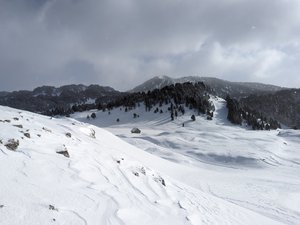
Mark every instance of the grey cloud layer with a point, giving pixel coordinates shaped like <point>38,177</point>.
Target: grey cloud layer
<point>122,43</point>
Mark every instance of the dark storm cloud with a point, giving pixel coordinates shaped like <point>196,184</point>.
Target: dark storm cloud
<point>122,43</point>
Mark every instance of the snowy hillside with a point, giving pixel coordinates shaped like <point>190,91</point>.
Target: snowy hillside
<point>256,171</point>
<point>105,180</point>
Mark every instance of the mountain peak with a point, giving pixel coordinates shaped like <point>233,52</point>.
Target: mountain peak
<point>221,87</point>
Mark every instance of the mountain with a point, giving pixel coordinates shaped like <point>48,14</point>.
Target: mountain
<point>68,99</point>
<point>45,98</point>
<point>221,88</point>
<point>283,105</point>
<point>157,82</point>
<point>68,171</point>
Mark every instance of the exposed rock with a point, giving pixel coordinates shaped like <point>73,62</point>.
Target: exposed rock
<point>93,115</point>
<point>46,129</point>
<point>8,121</point>
<point>27,135</point>
<point>68,134</point>
<point>52,207</point>
<point>209,118</point>
<point>135,130</point>
<point>64,153</point>
<point>136,174</point>
<point>16,118</point>
<point>160,180</point>
<point>12,144</point>
<point>93,133</point>
<point>143,171</point>
<point>18,125</point>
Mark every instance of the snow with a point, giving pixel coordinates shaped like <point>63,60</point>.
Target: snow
<point>90,101</point>
<point>207,172</point>
<point>255,170</point>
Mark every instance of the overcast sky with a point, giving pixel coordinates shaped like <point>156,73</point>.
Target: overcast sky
<point>122,43</point>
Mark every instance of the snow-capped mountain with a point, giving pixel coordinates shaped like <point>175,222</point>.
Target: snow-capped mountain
<point>220,87</point>
<point>66,171</point>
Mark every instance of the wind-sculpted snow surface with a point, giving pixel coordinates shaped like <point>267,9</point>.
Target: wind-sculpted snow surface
<point>256,171</point>
<point>103,181</point>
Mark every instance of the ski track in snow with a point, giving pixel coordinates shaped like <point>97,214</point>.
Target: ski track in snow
<point>208,172</point>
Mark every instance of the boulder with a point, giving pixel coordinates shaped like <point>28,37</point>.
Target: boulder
<point>64,153</point>
<point>135,130</point>
<point>12,144</point>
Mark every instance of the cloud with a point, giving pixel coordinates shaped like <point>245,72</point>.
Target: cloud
<point>122,43</point>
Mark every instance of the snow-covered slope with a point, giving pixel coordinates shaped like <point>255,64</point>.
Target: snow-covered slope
<point>104,181</point>
<point>257,171</point>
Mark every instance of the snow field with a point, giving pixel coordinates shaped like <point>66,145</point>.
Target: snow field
<point>105,180</point>
<point>255,170</point>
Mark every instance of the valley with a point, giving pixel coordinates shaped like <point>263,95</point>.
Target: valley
<point>257,170</point>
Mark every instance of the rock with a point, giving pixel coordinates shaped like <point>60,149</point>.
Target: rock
<point>209,117</point>
<point>193,117</point>
<point>93,115</point>
<point>143,171</point>
<point>8,121</point>
<point>64,153</point>
<point>1,206</point>
<point>136,174</point>
<point>18,125</point>
<point>135,130</point>
<point>68,134</point>
<point>51,207</point>
<point>12,144</point>
<point>160,180</point>
<point>93,133</point>
<point>27,135</point>
<point>46,129</point>
<point>16,118</point>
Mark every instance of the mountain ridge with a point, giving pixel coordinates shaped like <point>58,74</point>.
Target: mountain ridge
<point>44,98</point>
<point>222,87</point>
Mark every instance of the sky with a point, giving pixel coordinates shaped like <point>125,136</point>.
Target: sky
<point>122,43</point>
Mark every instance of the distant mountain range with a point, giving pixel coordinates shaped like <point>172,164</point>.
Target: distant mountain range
<point>46,98</point>
<point>276,102</point>
<point>221,88</point>
<point>282,104</point>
